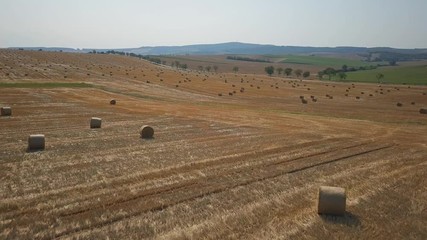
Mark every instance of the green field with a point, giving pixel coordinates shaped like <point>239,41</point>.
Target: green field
<point>324,61</point>
<point>45,85</point>
<point>321,61</point>
<point>416,75</point>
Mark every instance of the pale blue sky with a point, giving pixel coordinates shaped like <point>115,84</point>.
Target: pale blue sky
<point>133,23</point>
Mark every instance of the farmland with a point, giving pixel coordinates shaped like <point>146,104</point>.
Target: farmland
<point>322,61</point>
<point>410,74</point>
<point>414,72</point>
<point>233,155</point>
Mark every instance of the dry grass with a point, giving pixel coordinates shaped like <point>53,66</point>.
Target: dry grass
<point>241,166</point>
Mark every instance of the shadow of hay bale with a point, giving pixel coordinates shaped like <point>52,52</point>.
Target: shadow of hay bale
<point>30,150</point>
<point>348,219</point>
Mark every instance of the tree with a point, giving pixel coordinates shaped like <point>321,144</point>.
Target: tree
<point>342,75</point>
<point>320,75</point>
<point>177,64</point>
<point>392,62</point>
<point>306,74</point>
<point>235,69</point>
<point>298,73</point>
<point>380,76</point>
<point>215,67</point>
<point>184,66</point>
<point>208,68</point>
<point>200,68</point>
<point>330,72</point>
<point>279,70</point>
<point>288,71</point>
<point>269,70</point>
<point>344,68</point>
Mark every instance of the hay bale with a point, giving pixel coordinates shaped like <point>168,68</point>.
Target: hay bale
<point>6,111</point>
<point>36,142</point>
<point>423,110</point>
<point>332,200</point>
<point>146,131</point>
<point>399,104</point>
<point>113,101</point>
<point>95,122</point>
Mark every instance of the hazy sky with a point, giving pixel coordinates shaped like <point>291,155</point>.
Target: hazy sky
<point>133,23</point>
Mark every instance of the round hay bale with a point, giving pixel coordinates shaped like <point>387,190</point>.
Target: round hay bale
<point>36,142</point>
<point>95,122</point>
<point>423,110</point>
<point>332,200</point>
<point>6,111</point>
<point>146,131</point>
<point>113,101</point>
<point>399,104</point>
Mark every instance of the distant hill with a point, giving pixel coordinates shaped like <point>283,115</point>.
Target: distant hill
<point>251,49</point>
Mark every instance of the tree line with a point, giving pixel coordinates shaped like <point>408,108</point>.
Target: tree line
<point>342,73</point>
<point>270,70</point>
<point>247,59</point>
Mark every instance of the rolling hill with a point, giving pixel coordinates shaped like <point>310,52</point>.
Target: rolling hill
<point>238,48</point>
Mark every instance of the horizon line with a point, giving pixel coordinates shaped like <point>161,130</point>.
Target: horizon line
<point>218,43</point>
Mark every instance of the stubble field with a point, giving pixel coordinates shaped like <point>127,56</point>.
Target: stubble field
<point>246,164</point>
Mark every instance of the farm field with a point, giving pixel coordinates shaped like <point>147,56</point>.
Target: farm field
<point>226,65</point>
<point>410,74</point>
<point>413,72</point>
<point>323,61</point>
<point>233,155</point>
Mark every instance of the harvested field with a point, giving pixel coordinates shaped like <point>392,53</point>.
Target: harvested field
<point>246,165</point>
